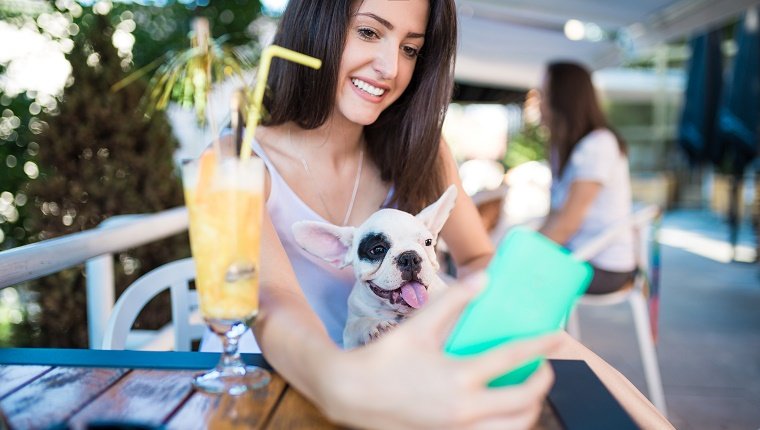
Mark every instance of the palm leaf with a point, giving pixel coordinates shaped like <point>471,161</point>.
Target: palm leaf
<point>186,76</point>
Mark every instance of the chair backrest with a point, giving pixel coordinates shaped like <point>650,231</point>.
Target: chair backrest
<point>490,205</point>
<point>176,276</point>
<point>648,254</point>
<point>640,220</point>
<point>642,232</point>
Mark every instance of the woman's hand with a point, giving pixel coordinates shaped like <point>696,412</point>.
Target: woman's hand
<point>404,380</point>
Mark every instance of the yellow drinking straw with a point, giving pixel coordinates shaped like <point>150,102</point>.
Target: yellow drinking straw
<point>254,111</point>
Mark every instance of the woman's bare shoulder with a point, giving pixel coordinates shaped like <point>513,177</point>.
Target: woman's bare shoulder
<point>278,147</point>
<point>274,141</point>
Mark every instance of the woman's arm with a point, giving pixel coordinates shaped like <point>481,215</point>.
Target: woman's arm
<point>403,380</point>
<point>289,333</point>
<point>562,225</point>
<point>464,234</point>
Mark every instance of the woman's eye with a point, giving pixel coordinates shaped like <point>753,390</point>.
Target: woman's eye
<point>367,33</point>
<point>378,250</point>
<point>410,51</point>
<point>428,242</point>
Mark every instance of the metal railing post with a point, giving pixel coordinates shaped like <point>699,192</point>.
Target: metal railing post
<point>100,296</point>
<point>101,285</point>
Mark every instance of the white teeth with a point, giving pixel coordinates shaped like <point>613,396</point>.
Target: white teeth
<point>367,88</point>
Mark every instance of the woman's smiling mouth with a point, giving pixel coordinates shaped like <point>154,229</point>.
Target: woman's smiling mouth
<point>367,88</point>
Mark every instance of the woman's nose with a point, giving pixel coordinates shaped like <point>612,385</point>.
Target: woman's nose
<point>386,61</point>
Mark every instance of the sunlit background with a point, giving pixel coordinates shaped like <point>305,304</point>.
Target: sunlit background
<point>75,152</point>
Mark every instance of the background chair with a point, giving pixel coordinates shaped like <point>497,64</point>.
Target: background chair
<point>641,222</point>
<point>186,325</point>
<point>490,205</point>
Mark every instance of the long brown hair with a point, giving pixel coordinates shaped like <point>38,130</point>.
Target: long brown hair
<point>574,110</point>
<point>404,140</point>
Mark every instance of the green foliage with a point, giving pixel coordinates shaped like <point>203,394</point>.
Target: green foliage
<point>624,114</point>
<point>186,77</point>
<point>156,30</point>
<point>529,145</point>
<point>99,158</point>
<point>19,127</point>
<point>163,29</point>
<point>185,74</point>
<point>96,154</point>
<point>17,148</point>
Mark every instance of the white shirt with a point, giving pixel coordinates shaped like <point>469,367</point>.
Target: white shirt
<point>597,158</point>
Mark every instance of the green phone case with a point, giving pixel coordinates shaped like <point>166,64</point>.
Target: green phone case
<point>533,284</point>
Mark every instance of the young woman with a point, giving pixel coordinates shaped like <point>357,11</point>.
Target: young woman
<point>591,187</point>
<point>339,143</point>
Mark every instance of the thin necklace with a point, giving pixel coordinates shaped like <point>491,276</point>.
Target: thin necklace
<point>319,193</point>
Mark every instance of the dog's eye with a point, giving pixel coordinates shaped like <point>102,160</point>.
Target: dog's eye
<point>377,251</point>
<point>428,242</point>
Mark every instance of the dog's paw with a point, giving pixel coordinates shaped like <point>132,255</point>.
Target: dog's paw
<point>380,329</point>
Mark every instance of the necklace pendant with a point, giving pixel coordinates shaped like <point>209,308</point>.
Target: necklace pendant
<point>357,179</point>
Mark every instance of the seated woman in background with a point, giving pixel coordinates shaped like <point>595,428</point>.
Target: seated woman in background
<point>591,187</point>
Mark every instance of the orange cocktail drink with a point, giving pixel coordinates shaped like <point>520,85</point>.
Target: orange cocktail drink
<point>224,200</point>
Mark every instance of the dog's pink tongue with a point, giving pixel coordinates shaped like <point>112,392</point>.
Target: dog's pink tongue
<point>414,294</point>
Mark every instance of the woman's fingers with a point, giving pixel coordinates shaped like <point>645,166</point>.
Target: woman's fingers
<point>515,399</point>
<point>439,316</point>
<point>497,361</point>
<point>524,420</point>
<point>509,403</point>
<point>518,405</point>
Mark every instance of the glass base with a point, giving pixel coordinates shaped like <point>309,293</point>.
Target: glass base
<point>232,380</point>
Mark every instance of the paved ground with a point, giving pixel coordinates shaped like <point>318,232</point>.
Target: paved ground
<point>709,347</point>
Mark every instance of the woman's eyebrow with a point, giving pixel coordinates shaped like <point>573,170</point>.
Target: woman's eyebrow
<point>388,25</point>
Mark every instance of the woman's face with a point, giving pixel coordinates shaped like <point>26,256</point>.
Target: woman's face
<point>383,41</point>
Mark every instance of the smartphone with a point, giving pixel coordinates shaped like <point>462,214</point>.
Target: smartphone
<point>533,284</point>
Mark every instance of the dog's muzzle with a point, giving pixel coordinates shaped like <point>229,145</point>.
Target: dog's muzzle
<point>413,294</point>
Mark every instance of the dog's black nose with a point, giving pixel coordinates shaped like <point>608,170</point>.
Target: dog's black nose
<point>409,263</point>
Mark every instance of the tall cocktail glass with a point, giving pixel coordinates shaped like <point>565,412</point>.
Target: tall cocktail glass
<point>224,198</point>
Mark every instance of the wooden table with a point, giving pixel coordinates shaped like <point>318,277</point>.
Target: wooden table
<point>42,388</point>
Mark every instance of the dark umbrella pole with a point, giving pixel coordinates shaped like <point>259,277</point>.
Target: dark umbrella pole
<point>734,199</point>
<point>756,212</point>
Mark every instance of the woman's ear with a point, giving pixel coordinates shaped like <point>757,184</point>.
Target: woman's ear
<point>326,241</point>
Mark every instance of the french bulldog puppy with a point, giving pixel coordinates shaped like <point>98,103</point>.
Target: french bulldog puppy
<point>393,256</point>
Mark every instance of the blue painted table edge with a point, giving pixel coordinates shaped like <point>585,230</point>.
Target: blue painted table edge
<point>164,360</point>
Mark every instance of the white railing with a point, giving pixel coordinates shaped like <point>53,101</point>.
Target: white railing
<point>95,248</point>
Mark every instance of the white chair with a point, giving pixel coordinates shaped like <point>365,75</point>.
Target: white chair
<point>186,324</point>
<point>490,205</point>
<point>641,222</point>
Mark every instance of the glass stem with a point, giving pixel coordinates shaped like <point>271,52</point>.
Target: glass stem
<point>231,356</point>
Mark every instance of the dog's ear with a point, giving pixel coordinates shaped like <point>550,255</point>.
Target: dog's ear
<point>326,241</point>
<point>435,215</point>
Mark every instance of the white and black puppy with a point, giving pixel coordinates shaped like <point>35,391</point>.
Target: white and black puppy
<point>393,255</point>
